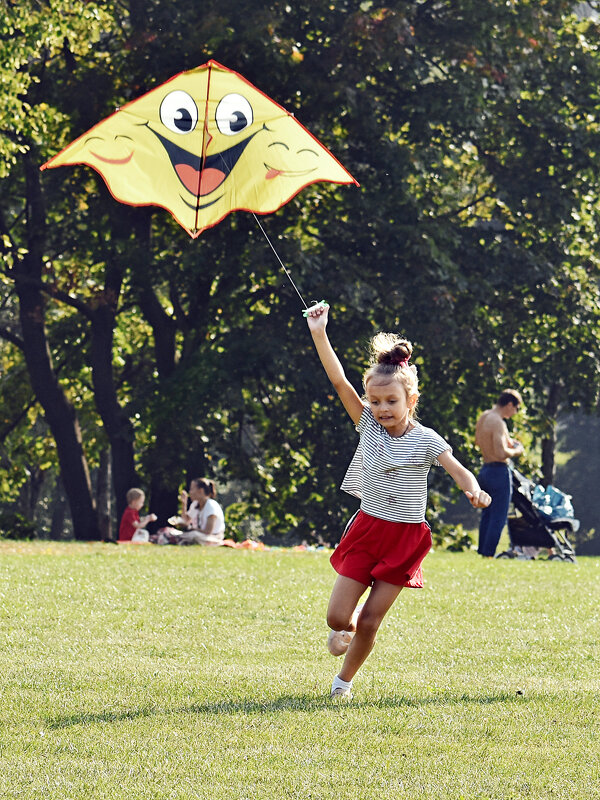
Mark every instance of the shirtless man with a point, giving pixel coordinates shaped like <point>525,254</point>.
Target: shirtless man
<point>491,436</point>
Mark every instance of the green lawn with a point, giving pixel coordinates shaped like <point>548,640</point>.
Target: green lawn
<point>144,672</point>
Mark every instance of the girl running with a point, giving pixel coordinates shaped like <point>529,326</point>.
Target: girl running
<point>387,540</point>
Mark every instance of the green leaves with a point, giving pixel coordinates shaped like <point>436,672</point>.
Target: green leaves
<point>473,130</point>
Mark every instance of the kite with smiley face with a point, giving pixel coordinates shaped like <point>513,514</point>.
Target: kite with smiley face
<point>203,144</point>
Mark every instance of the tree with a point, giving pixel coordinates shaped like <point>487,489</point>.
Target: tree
<point>459,120</point>
<point>26,119</point>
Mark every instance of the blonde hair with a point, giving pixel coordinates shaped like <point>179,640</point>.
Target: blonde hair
<point>134,494</point>
<point>390,354</point>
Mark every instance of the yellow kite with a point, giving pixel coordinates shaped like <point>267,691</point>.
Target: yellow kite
<point>203,144</point>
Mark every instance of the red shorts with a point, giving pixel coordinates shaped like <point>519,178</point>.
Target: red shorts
<point>374,549</point>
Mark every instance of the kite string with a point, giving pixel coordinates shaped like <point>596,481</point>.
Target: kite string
<point>283,267</point>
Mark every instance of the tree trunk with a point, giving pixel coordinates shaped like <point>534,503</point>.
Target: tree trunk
<point>29,493</point>
<point>549,438</point>
<point>164,500</point>
<point>60,414</point>
<point>115,420</point>
<point>103,495</point>
<point>57,524</point>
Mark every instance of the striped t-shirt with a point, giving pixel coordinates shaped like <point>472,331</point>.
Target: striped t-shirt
<point>388,473</point>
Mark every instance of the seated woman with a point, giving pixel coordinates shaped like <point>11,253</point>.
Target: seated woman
<point>204,516</point>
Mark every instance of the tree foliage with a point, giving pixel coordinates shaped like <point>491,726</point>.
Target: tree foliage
<point>472,129</point>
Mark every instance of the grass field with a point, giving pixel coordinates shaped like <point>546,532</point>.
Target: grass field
<point>144,672</point>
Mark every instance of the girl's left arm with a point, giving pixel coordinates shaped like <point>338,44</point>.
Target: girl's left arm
<point>465,480</point>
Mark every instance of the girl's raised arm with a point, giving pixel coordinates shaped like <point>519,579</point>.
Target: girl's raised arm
<point>317,322</point>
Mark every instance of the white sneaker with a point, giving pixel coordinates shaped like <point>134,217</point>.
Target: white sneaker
<point>339,641</point>
<point>341,694</point>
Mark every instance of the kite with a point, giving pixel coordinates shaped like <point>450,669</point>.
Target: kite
<point>203,144</point>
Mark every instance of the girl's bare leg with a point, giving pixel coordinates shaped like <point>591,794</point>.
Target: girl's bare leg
<point>344,598</point>
<point>380,600</point>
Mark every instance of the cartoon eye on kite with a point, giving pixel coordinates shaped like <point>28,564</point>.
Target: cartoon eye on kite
<point>178,112</point>
<point>234,113</point>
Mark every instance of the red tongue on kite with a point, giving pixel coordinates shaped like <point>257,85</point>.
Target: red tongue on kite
<point>207,181</point>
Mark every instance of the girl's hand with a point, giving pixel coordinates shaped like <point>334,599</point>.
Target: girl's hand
<point>317,318</point>
<point>479,499</point>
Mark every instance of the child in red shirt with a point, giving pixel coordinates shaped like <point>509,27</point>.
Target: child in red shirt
<point>132,527</point>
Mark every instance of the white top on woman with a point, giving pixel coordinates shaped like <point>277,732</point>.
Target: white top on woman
<point>200,517</point>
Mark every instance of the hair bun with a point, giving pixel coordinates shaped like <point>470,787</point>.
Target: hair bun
<point>399,353</point>
<point>389,348</point>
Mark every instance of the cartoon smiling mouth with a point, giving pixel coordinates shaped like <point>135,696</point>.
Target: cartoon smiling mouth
<point>202,176</point>
<point>273,172</point>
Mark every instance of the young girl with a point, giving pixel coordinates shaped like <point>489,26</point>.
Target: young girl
<point>388,538</point>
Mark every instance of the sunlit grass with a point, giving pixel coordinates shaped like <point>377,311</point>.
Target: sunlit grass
<point>143,672</point>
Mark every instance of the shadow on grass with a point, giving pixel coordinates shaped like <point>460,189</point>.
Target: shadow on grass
<point>302,703</point>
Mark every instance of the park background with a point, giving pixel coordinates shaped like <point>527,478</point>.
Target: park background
<point>133,355</point>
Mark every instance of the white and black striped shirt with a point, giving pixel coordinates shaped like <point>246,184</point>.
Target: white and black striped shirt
<point>388,473</point>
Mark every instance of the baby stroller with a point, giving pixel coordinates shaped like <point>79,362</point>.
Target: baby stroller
<point>529,529</point>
